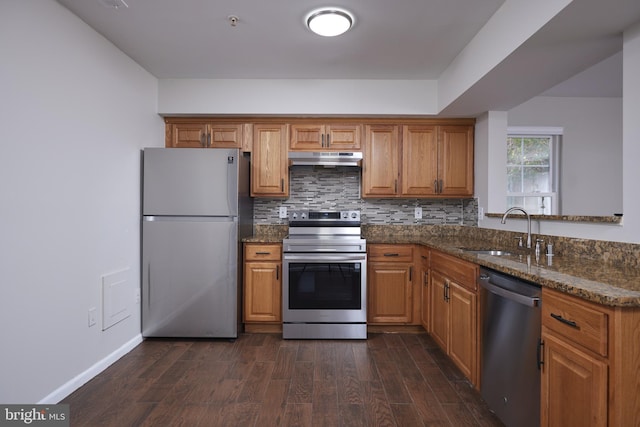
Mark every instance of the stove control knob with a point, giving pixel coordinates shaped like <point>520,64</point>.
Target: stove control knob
<point>354,215</point>
<point>303,215</point>
<point>345,215</point>
<point>294,215</point>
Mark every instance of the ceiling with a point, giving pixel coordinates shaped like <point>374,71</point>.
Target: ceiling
<point>398,40</point>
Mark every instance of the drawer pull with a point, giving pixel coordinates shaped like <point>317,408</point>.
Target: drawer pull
<point>390,254</point>
<point>263,253</point>
<point>559,318</point>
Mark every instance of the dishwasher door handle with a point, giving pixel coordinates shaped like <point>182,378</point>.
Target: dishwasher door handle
<point>513,296</point>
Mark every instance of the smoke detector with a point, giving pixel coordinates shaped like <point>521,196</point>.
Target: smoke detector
<point>114,4</point>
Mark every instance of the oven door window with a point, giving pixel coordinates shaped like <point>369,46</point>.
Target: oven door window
<point>325,286</point>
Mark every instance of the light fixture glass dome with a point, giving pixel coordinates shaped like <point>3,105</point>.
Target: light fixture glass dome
<point>329,22</point>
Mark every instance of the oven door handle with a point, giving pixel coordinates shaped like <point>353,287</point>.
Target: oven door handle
<point>325,257</point>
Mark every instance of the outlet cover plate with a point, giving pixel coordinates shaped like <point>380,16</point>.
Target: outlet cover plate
<point>282,213</point>
<point>418,213</point>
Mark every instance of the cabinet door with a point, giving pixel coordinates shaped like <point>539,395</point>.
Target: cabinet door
<point>269,167</point>
<point>456,160</point>
<point>462,333</point>
<point>424,288</point>
<point>262,292</point>
<point>222,135</point>
<point>439,310</point>
<point>389,293</point>
<point>574,386</point>
<point>419,160</point>
<point>380,171</point>
<point>307,137</point>
<point>424,306</point>
<point>343,137</point>
<point>187,135</point>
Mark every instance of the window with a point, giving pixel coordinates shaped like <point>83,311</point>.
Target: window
<point>532,170</point>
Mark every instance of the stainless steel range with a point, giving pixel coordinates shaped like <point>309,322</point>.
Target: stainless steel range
<point>324,276</point>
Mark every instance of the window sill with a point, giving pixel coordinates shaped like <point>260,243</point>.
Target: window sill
<point>613,219</point>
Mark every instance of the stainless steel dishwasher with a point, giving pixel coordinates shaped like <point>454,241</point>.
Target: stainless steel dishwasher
<point>511,322</point>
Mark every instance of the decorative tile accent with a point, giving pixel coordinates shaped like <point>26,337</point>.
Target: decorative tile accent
<point>317,188</point>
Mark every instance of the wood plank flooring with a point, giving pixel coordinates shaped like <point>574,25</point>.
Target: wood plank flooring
<point>262,380</point>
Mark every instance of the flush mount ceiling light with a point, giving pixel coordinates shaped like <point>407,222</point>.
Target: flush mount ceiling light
<point>330,21</point>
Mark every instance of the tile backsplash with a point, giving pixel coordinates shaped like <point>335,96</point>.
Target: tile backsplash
<point>317,188</point>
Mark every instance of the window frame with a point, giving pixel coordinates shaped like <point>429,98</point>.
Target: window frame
<point>555,140</point>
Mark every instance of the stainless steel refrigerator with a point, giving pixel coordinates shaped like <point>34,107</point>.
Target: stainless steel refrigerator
<point>195,211</point>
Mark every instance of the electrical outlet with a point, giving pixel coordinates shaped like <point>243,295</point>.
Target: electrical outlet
<point>480,213</point>
<point>283,212</point>
<point>93,313</point>
<point>418,213</point>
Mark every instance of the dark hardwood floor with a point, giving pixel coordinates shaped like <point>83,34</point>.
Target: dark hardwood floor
<point>263,380</point>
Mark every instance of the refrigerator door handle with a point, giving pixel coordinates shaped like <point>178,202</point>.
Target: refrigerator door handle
<point>149,285</point>
<point>232,183</point>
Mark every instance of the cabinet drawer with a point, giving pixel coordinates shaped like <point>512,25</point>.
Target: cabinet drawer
<point>391,253</point>
<point>463,272</point>
<point>581,322</point>
<point>260,252</point>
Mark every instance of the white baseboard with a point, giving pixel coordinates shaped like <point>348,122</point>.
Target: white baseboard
<point>84,377</point>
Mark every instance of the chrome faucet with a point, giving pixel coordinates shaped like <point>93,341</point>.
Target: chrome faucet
<point>504,220</point>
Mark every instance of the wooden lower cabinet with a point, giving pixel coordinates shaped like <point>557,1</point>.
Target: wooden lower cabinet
<point>591,363</point>
<point>439,310</point>
<point>453,311</point>
<point>262,283</point>
<point>390,285</point>
<point>424,291</point>
<point>574,386</point>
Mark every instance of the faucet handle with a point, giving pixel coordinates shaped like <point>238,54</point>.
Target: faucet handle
<point>519,239</point>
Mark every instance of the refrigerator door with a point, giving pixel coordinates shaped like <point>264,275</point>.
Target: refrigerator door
<point>194,181</point>
<point>189,277</point>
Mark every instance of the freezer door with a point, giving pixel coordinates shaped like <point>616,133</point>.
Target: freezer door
<point>193,181</point>
<point>189,278</point>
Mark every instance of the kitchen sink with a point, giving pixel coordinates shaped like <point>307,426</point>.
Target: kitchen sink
<point>494,252</point>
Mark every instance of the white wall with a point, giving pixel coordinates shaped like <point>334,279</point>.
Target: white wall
<point>75,112</point>
<point>629,231</point>
<point>631,132</point>
<point>591,169</point>
<point>490,159</point>
<point>295,97</point>
<point>512,24</point>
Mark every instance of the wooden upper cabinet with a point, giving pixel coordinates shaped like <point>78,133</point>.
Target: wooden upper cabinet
<point>380,170</point>
<point>325,137</point>
<point>203,134</point>
<point>455,160</point>
<point>269,168</point>
<point>419,160</point>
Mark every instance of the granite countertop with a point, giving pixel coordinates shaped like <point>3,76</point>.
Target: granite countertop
<point>599,281</point>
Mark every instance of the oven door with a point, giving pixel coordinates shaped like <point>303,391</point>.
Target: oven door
<point>324,288</point>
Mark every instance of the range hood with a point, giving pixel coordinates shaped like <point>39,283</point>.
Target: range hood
<point>325,158</point>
